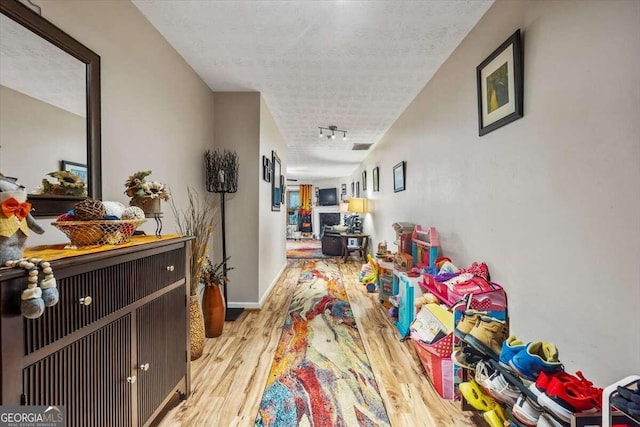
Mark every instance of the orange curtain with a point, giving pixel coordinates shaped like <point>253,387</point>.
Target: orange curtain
<point>305,197</point>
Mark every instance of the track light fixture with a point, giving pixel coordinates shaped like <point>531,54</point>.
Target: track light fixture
<point>331,132</point>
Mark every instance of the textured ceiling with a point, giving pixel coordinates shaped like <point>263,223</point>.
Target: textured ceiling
<point>35,67</point>
<point>353,64</point>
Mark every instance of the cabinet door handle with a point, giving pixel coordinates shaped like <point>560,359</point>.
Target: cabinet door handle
<point>86,300</point>
<point>170,267</point>
<point>144,367</point>
<point>131,379</point>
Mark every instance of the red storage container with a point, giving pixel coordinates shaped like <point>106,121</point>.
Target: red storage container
<point>439,367</point>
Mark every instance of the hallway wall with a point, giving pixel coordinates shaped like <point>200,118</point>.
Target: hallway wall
<point>551,201</point>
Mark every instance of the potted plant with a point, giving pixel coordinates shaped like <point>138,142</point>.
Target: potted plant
<point>146,195</point>
<point>197,221</point>
<point>213,303</point>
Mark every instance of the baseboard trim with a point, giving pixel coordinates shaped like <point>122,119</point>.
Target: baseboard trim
<point>258,305</point>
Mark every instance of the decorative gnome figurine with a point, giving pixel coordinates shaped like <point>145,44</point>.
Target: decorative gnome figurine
<point>15,222</point>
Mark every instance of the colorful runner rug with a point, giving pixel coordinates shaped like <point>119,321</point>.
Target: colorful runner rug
<point>305,249</point>
<point>321,376</point>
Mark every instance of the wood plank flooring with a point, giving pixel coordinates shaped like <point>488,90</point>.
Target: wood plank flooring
<point>228,380</point>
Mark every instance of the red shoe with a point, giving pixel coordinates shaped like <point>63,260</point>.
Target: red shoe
<point>543,380</point>
<point>567,398</point>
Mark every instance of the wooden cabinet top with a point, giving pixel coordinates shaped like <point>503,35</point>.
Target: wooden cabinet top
<point>61,257</point>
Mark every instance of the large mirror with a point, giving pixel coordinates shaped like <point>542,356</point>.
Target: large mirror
<point>49,106</point>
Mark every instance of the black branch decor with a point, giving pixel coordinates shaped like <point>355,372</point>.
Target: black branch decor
<point>222,171</point>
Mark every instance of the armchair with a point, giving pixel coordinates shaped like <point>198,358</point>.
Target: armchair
<point>331,242</point>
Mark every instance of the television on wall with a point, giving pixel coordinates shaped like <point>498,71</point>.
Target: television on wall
<point>328,197</point>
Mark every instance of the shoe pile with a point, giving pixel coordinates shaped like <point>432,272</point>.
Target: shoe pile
<point>553,394</point>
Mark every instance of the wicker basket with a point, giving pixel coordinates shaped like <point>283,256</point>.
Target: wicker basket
<point>103,232</point>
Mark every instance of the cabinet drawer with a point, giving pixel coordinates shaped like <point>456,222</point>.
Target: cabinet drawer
<point>111,288</point>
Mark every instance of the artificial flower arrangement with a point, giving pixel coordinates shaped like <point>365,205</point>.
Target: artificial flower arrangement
<point>139,188</point>
<point>69,184</point>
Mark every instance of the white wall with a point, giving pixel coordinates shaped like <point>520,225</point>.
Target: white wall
<point>551,201</point>
<point>157,114</point>
<point>272,231</point>
<point>237,128</point>
<point>36,136</point>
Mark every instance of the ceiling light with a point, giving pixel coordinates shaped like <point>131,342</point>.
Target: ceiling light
<point>333,130</point>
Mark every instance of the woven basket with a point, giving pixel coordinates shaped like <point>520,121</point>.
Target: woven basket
<point>86,233</point>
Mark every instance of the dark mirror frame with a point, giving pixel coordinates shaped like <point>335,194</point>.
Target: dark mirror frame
<point>276,182</point>
<point>55,205</point>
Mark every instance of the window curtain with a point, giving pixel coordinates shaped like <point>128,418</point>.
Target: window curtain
<point>305,197</point>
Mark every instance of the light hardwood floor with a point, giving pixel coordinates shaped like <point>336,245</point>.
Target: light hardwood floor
<point>228,380</point>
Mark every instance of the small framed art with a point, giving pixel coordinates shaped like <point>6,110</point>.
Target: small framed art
<point>353,191</point>
<point>376,179</point>
<point>358,189</point>
<point>364,180</point>
<point>399,176</point>
<point>266,169</point>
<point>500,86</point>
<point>79,169</point>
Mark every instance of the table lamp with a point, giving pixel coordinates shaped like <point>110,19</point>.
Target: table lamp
<point>357,206</point>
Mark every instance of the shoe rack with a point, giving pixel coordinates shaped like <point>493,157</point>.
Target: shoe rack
<point>608,393</point>
<point>584,419</point>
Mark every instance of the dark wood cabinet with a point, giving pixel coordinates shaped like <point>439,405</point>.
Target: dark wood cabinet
<point>113,359</point>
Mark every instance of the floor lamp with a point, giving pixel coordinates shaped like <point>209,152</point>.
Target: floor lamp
<point>222,177</point>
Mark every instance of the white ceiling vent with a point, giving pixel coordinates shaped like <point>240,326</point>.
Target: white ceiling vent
<point>361,147</point>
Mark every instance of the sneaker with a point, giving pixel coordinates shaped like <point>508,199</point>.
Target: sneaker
<point>487,336</point>
<point>547,420</point>
<point>526,411</point>
<point>510,347</point>
<point>469,320</point>
<point>496,417</point>
<point>500,389</point>
<point>543,380</point>
<point>477,398</point>
<point>483,373</point>
<point>628,394</point>
<point>566,398</point>
<point>467,357</point>
<point>537,357</point>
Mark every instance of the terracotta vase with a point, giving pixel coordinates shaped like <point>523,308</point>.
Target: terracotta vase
<point>196,328</point>
<point>213,308</point>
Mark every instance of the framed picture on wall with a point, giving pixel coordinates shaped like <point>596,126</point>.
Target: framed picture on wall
<point>276,185</point>
<point>376,179</point>
<point>266,169</point>
<point>358,189</point>
<point>353,191</point>
<point>500,86</point>
<point>364,180</point>
<point>343,189</point>
<point>399,176</point>
<point>79,169</point>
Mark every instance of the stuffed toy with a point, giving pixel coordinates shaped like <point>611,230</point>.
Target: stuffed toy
<point>15,220</point>
<point>427,298</point>
<point>34,298</point>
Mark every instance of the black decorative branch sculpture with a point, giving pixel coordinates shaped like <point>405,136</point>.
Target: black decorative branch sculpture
<point>222,171</point>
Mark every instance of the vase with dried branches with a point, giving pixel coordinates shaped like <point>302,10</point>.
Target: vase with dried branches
<point>196,220</point>
<point>213,302</point>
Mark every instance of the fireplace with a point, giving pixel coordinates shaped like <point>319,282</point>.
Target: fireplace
<point>321,210</point>
<point>328,219</point>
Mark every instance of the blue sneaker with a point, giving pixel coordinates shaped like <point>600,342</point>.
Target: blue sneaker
<point>510,348</point>
<point>538,356</point>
